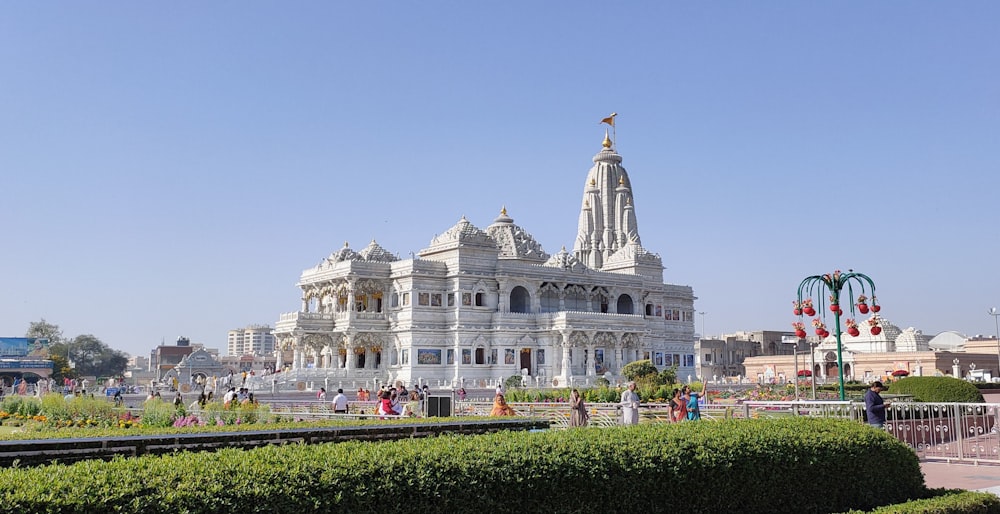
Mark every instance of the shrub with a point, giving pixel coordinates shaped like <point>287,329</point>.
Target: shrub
<point>936,389</point>
<point>619,469</point>
<point>637,370</point>
<point>157,413</point>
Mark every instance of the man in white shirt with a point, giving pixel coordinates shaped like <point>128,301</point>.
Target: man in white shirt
<point>340,402</point>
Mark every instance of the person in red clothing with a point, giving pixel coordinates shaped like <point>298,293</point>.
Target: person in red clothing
<point>387,404</point>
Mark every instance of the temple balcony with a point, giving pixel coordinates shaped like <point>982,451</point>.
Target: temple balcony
<point>309,321</point>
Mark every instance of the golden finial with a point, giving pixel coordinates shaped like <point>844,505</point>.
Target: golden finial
<point>607,140</point>
<point>586,204</point>
<point>592,182</point>
<point>503,210</point>
<point>621,181</point>
<point>346,245</point>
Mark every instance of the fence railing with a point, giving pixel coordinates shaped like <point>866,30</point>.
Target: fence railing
<point>953,432</point>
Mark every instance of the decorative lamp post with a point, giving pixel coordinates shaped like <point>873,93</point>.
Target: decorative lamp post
<point>995,313</point>
<point>831,286</point>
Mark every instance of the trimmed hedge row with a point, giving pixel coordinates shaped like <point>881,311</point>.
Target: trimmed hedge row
<point>937,389</point>
<point>952,501</point>
<point>786,465</point>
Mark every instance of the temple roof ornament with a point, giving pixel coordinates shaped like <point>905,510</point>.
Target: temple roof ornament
<point>463,232</point>
<point>565,260</point>
<point>513,241</point>
<point>344,254</point>
<point>633,253</point>
<point>375,253</point>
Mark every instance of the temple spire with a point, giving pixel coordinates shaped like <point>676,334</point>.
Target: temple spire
<point>607,215</point>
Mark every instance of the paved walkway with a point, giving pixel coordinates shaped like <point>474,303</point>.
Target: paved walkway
<point>982,477</point>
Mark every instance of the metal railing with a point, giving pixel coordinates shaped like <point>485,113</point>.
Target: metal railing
<point>952,432</point>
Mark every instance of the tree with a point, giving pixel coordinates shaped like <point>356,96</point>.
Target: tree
<point>45,330</point>
<point>92,357</point>
<point>639,369</point>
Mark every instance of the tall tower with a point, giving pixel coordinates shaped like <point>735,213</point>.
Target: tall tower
<point>607,216</point>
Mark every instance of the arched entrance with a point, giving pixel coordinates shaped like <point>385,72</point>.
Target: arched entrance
<point>520,300</point>
<point>526,359</point>
<point>625,304</point>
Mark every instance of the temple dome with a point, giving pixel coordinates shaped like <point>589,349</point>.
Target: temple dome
<point>463,233</point>
<point>375,253</point>
<point>341,255</point>
<point>949,341</point>
<point>513,241</point>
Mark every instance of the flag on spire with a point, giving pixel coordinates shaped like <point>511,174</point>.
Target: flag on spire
<point>610,120</point>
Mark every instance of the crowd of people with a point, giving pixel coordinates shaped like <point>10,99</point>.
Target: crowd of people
<point>684,405</point>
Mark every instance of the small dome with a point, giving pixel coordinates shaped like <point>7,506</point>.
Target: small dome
<point>375,253</point>
<point>463,232</point>
<point>344,254</point>
<point>513,241</point>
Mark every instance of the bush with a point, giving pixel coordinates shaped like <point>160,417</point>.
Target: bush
<point>619,469</point>
<point>637,370</point>
<point>936,389</point>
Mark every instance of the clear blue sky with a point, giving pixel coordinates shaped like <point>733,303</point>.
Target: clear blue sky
<point>171,168</point>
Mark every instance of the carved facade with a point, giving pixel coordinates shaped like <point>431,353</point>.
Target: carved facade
<point>480,305</point>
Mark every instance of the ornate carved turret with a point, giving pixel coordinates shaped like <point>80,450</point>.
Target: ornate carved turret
<point>607,217</point>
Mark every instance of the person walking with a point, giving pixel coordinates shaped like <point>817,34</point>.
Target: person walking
<point>630,405</point>
<point>340,402</point>
<point>875,406</point>
<point>578,416</point>
<point>693,412</point>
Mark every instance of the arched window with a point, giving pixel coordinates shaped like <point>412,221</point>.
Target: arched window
<point>520,300</point>
<point>480,299</point>
<point>576,299</point>
<point>649,309</point>
<point>625,304</point>
<point>480,356</point>
<point>549,300</point>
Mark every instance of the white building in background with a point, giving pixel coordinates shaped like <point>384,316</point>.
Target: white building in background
<point>479,305</point>
<point>253,340</point>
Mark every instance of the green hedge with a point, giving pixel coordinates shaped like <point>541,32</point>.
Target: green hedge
<point>787,465</point>
<point>952,501</point>
<point>936,389</point>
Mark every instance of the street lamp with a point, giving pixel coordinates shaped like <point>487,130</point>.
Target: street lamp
<point>995,313</point>
<point>795,357</point>
<point>833,284</point>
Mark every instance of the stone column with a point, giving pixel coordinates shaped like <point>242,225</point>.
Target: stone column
<point>305,304</point>
<point>591,361</point>
<point>348,362</point>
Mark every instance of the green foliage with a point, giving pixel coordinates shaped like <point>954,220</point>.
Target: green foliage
<point>936,389</point>
<point>584,470</point>
<point>157,413</point>
<point>669,376</point>
<point>45,330</point>
<point>513,382</point>
<point>637,370</point>
<point>954,501</point>
<point>23,405</point>
<point>94,358</point>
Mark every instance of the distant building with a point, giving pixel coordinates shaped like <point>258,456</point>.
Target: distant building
<point>138,362</point>
<point>165,358</point>
<point>894,352</point>
<point>257,340</point>
<point>24,358</point>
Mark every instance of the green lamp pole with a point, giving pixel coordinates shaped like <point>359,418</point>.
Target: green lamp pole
<point>833,284</point>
